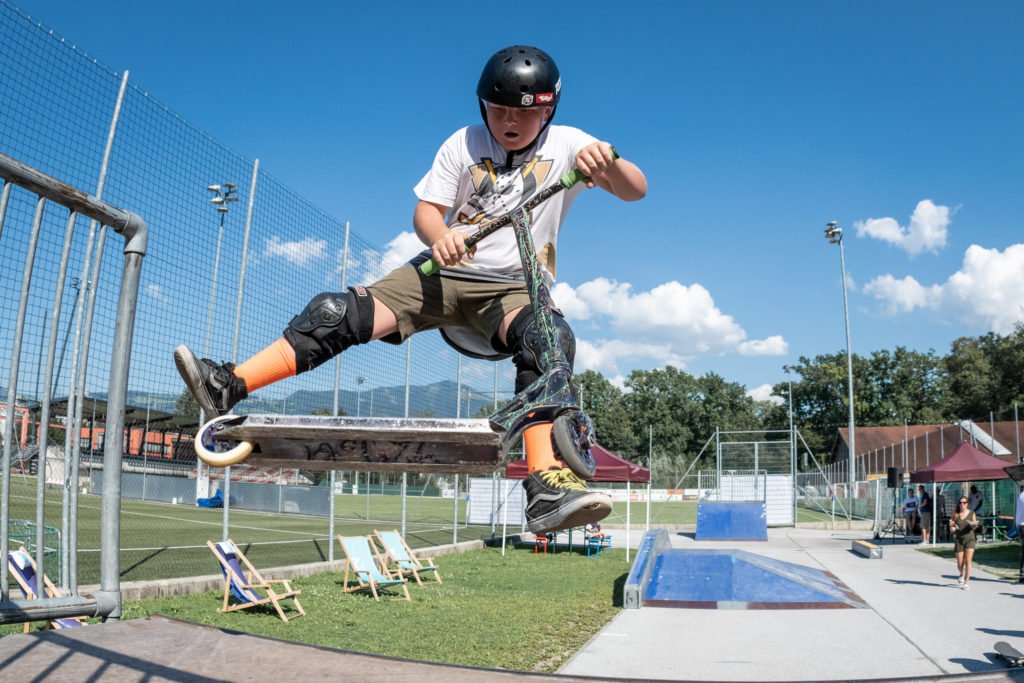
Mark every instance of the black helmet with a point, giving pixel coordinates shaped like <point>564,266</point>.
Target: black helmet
<point>520,76</point>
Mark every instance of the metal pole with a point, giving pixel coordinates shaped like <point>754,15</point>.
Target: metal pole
<point>238,321</point>
<point>145,450</point>
<point>43,433</point>
<point>332,478</point>
<point>792,449</point>
<point>405,489</point>
<point>134,250</point>
<point>12,392</point>
<point>650,472</point>
<point>455,511</point>
<point>110,517</point>
<point>408,371</point>
<point>834,234</point>
<point>906,438</point>
<point>629,525</point>
<point>458,388</point>
<point>1016,430</point>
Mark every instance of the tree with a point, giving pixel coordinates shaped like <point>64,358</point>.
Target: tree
<point>603,402</point>
<point>187,405</point>
<point>902,385</point>
<point>664,401</point>
<point>820,398</point>
<point>971,381</point>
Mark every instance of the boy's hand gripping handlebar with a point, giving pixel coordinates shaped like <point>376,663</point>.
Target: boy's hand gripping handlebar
<point>567,180</point>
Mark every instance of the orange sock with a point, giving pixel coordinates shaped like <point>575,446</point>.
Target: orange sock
<point>270,365</point>
<point>540,455</point>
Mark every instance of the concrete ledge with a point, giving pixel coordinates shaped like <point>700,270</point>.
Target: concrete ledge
<point>867,549</point>
<point>653,543</point>
<point>191,585</point>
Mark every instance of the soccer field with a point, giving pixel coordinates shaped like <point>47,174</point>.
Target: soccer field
<point>161,540</point>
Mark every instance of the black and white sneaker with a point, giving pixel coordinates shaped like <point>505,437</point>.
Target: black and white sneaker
<point>214,385</point>
<point>558,499</point>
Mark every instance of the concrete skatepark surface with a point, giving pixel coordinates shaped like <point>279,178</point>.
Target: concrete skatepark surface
<point>918,625</point>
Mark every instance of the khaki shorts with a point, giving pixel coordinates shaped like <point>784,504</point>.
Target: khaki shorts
<point>965,542</point>
<point>428,303</point>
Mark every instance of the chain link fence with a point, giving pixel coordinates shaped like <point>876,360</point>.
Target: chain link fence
<point>226,284</point>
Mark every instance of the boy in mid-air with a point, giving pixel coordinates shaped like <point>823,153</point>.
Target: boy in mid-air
<point>479,300</point>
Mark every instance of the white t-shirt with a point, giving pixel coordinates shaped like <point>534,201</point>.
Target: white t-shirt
<point>474,176</point>
<point>1018,516</point>
<point>974,503</point>
<point>910,505</point>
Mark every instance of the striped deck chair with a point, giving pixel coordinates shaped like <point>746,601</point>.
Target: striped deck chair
<point>23,569</point>
<point>399,556</point>
<point>249,588</point>
<point>366,567</point>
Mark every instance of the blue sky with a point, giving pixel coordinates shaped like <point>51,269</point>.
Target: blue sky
<point>755,123</point>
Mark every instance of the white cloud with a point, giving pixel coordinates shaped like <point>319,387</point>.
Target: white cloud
<point>155,292</point>
<point>987,291</point>
<point>769,346</point>
<point>666,325</point>
<point>764,393</point>
<point>903,296</point>
<point>403,247</point>
<point>685,318</point>
<point>928,229</point>
<point>301,253</point>
<point>608,356</point>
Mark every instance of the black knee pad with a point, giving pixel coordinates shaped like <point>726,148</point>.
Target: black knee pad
<point>330,323</point>
<point>523,340</point>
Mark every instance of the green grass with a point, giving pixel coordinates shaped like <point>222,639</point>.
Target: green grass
<point>1000,559</point>
<point>521,611</point>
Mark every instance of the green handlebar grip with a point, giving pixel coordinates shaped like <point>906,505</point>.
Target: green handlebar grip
<point>429,268</point>
<point>570,178</point>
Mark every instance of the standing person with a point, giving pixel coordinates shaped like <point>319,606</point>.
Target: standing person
<point>975,504</point>
<point>925,511</point>
<point>962,525</point>
<point>975,500</point>
<point>910,504</point>
<point>1018,520</point>
<point>481,172</point>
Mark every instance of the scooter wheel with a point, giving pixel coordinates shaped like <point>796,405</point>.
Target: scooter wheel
<point>208,450</point>
<point>566,435</point>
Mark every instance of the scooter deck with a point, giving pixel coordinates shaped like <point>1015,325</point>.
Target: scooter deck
<point>368,444</point>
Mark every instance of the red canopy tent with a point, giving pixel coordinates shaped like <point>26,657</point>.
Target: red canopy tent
<point>965,463</point>
<point>610,467</point>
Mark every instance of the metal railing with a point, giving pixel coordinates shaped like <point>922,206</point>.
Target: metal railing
<point>105,602</point>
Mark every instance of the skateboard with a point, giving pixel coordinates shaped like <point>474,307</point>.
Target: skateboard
<point>359,444</point>
<point>1012,655</point>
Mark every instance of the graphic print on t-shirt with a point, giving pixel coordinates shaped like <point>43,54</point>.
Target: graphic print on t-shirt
<point>496,194</point>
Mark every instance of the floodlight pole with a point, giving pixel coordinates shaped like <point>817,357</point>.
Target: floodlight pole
<point>834,234</point>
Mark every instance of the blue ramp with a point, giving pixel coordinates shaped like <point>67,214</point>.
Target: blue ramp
<point>730,521</point>
<point>736,579</point>
<point>663,576</point>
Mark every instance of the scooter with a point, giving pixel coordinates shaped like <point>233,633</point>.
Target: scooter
<point>424,444</point>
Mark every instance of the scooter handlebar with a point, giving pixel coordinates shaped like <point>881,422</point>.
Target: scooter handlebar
<point>566,181</point>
